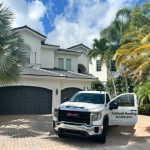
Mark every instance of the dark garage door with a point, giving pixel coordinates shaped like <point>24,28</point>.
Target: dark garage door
<point>25,100</point>
<point>68,93</point>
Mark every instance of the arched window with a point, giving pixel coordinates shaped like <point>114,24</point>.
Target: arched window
<point>81,69</point>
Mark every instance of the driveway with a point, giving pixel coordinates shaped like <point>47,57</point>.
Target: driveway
<point>34,132</point>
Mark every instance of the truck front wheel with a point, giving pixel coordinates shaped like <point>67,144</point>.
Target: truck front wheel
<point>104,131</point>
<point>61,135</point>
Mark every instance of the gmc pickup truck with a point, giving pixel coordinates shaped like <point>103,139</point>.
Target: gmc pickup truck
<point>89,113</point>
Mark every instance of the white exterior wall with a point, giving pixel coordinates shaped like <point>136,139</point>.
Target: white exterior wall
<point>74,63</point>
<point>47,58</point>
<point>35,43</point>
<point>53,84</point>
<point>101,75</point>
<point>84,60</point>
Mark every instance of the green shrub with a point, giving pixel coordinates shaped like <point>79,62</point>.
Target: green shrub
<point>143,93</point>
<point>120,85</point>
<point>144,109</point>
<point>98,86</point>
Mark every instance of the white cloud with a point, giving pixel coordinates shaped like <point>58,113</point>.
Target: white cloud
<point>82,21</point>
<point>27,13</point>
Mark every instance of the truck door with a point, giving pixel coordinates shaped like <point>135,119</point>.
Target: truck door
<point>127,111</point>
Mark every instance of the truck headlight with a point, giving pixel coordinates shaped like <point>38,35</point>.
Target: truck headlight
<point>56,113</point>
<point>96,116</point>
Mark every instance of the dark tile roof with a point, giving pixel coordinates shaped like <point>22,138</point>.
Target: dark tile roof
<point>42,42</point>
<point>55,73</point>
<point>79,45</point>
<point>26,27</point>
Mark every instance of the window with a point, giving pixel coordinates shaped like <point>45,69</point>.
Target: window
<point>113,65</point>
<point>61,63</point>
<point>28,54</point>
<point>98,65</point>
<point>28,57</point>
<point>107,98</point>
<point>88,98</point>
<point>68,64</point>
<point>125,100</point>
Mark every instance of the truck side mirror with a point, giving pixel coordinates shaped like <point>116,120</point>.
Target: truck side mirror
<point>113,105</point>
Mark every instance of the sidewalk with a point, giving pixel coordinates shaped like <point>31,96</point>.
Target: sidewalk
<point>143,146</point>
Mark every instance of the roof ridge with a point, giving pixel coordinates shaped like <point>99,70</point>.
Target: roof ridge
<point>81,44</point>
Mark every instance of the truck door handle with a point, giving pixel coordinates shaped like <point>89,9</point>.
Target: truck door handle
<point>133,110</point>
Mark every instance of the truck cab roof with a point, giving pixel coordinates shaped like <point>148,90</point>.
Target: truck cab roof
<point>94,92</point>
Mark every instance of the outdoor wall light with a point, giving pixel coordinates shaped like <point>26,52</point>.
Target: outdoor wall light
<point>56,91</point>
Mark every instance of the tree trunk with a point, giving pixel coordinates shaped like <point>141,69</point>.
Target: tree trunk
<point>113,82</point>
<point>126,84</point>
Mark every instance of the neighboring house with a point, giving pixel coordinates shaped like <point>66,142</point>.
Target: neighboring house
<point>52,74</point>
<point>99,69</point>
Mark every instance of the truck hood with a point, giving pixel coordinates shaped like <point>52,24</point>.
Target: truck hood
<point>78,106</point>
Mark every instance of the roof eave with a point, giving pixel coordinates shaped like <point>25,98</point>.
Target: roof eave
<point>24,28</point>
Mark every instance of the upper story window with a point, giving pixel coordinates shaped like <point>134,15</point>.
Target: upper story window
<point>113,65</point>
<point>61,63</point>
<point>68,64</point>
<point>98,65</point>
<point>28,54</point>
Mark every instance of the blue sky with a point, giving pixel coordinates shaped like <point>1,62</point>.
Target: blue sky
<point>67,22</point>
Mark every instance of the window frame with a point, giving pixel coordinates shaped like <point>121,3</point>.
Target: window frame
<point>61,63</point>
<point>113,65</point>
<point>69,64</point>
<point>98,65</point>
<point>107,96</point>
<point>132,104</point>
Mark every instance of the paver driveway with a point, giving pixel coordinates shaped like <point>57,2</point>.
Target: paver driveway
<point>34,132</point>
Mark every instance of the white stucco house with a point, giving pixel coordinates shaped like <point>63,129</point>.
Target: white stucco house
<point>51,75</point>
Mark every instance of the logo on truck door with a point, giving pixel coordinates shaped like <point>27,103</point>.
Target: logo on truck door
<point>124,114</point>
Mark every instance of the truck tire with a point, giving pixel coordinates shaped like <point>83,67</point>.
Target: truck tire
<point>60,135</point>
<point>103,134</point>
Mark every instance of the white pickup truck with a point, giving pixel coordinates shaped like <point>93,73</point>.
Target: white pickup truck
<point>89,113</point>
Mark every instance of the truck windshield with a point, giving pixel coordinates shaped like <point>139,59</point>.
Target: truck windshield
<point>94,98</point>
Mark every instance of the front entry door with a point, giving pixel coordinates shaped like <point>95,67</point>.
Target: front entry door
<point>127,111</point>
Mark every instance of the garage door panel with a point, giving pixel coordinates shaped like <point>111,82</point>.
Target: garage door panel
<point>43,94</point>
<point>15,107</point>
<point>42,104</point>
<point>5,106</point>
<point>68,93</point>
<point>29,107</point>
<point>25,100</point>
<point>29,93</point>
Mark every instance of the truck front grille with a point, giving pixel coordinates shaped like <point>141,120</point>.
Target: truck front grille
<point>74,116</point>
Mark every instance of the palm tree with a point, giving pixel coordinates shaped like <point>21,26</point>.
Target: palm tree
<point>101,47</point>
<point>108,43</point>
<point>134,52</point>
<point>135,55</point>
<point>12,49</point>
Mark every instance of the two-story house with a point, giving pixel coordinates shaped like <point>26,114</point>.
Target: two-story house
<point>52,74</point>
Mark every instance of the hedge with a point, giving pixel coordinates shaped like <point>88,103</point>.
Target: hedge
<point>144,109</point>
